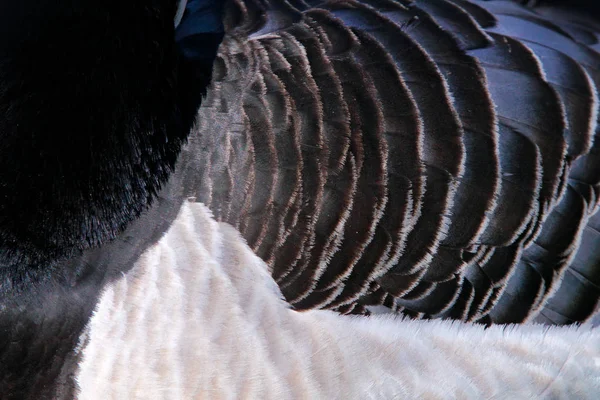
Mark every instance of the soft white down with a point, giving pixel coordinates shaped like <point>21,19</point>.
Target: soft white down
<point>199,317</point>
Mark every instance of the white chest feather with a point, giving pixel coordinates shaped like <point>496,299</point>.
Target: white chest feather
<point>200,317</point>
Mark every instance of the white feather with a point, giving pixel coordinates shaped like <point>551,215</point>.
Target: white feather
<point>199,316</point>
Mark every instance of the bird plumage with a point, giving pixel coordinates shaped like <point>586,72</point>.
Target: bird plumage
<point>94,114</point>
<point>435,157</point>
<point>170,330</point>
<point>431,158</point>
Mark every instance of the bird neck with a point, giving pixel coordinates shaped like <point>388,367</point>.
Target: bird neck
<point>43,317</point>
<point>96,103</point>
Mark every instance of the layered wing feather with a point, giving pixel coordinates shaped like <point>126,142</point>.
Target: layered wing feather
<point>436,157</point>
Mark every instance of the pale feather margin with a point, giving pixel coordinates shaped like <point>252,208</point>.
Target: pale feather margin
<point>199,316</point>
<point>180,10</point>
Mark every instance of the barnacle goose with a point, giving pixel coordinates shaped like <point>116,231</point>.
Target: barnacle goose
<point>189,213</point>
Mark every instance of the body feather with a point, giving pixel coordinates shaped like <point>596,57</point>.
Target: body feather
<point>454,176</point>
<point>436,159</point>
<point>225,331</point>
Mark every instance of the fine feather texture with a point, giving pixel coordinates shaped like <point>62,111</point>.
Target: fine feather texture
<point>435,157</point>
<point>81,155</point>
<point>93,114</point>
<point>199,316</point>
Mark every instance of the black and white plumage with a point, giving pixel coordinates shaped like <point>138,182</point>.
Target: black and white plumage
<point>436,158</point>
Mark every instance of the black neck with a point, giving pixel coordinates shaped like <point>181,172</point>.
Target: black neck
<point>41,326</point>
<point>96,104</point>
<point>92,122</point>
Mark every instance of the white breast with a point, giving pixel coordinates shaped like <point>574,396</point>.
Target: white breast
<point>200,317</point>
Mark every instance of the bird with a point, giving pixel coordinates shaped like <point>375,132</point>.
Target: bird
<point>299,198</point>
